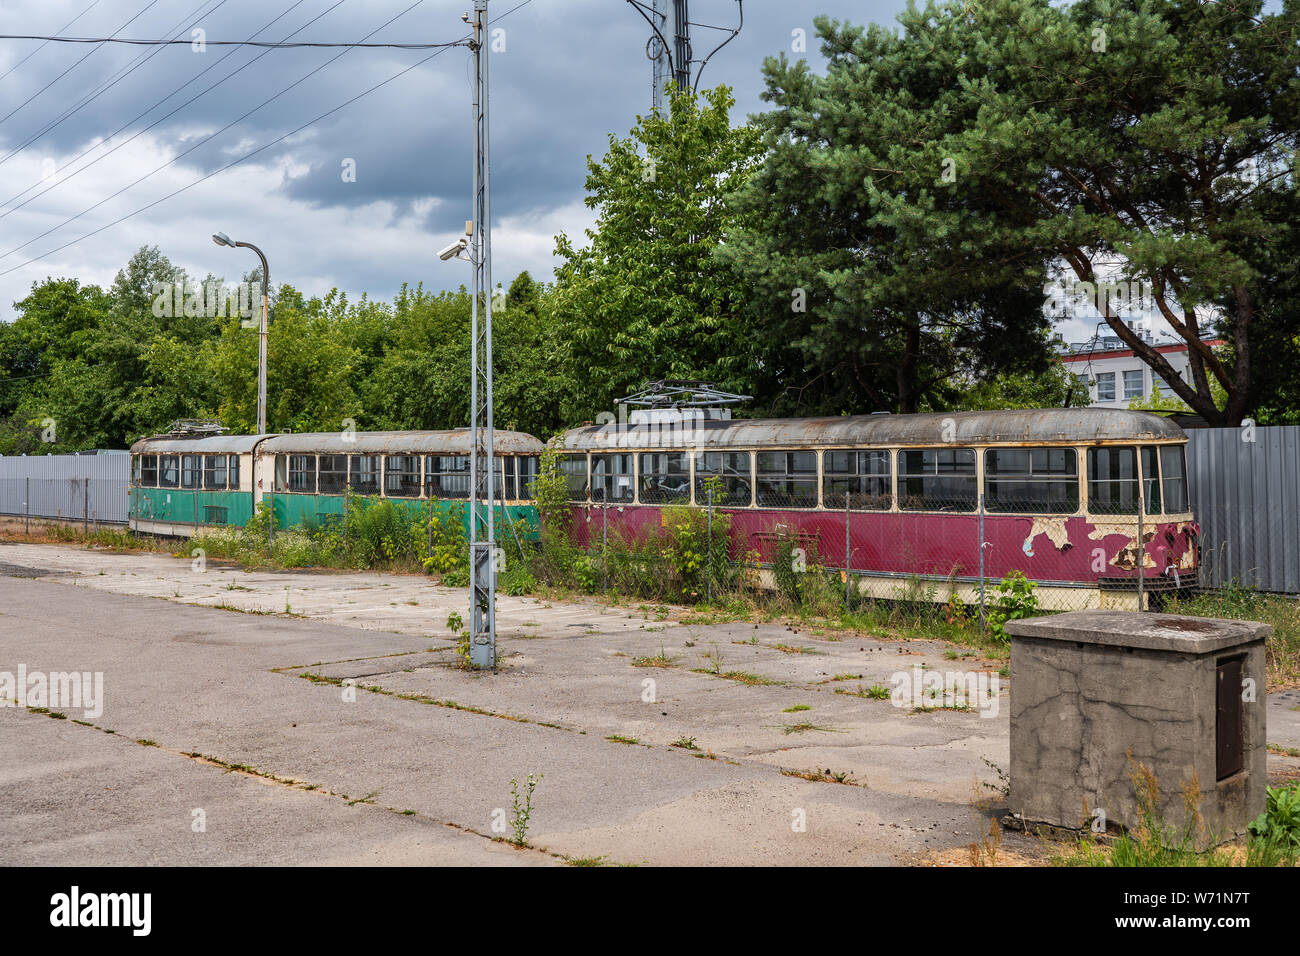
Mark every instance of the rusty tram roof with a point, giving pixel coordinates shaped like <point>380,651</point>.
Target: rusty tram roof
<point>1004,426</point>
<point>449,442</point>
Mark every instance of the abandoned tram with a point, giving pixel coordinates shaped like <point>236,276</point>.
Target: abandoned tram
<point>917,506</point>
<point>180,484</point>
<point>904,502</point>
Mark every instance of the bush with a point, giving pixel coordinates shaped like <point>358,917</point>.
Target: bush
<point>1279,824</point>
<point>1015,600</point>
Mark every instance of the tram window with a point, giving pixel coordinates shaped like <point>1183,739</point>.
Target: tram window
<point>135,469</point>
<point>149,471</point>
<point>1034,480</point>
<point>1173,470</point>
<point>937,479</point>
<point>191,470</point>
<point>363,474</point>
<point>214,472</point>
<point>333,470</point>
<point>611,478</point>
<point>1151,479</point>
<point>169,471</point>
<point>787,479</point>
<point>665,478</point>
<point>1112,481</point>
<point>402,476</point>
<point>446,476</point>
<point>232,474</point>
<point>506,464</point>
<point>728,473</point>
<point>302,474</point>
<point>574,470</point>
<point>865,476</point>
<point>527,468</point>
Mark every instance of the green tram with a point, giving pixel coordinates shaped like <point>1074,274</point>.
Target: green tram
<point>179,485</point>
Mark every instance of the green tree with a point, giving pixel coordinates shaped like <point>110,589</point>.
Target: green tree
<point>646,298</point>
<point>990,135</point>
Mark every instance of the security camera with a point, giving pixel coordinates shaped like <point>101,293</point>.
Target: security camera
<point>453,250</point>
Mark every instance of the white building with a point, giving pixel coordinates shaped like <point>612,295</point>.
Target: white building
<point>1114,375</point>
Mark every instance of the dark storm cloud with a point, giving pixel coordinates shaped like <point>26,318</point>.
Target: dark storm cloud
<point>572,73</point>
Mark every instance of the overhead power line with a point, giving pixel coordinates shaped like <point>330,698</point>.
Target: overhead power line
<point>205,42</point>
<point>58,182</point>
<point>251,153</point>
<point>122,74</point>
<point>94,4</point>
<point>88,55</point>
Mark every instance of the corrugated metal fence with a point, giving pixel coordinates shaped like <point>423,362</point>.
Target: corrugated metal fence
<point>1245,491</point>
<point>92,488</point>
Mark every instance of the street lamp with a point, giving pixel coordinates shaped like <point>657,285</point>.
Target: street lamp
<point>221,239</point>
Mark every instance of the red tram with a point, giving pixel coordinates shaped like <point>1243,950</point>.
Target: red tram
<point>1080,500</point>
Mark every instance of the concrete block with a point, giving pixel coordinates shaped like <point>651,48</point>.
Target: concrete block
<point>1096,694</point>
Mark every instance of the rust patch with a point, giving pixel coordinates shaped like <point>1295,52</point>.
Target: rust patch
<point>1182,624</point>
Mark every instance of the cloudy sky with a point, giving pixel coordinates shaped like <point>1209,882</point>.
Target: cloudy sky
<point>105,148</point>
<point>92,141</point>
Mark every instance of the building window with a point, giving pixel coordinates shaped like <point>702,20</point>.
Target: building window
<point>574,470</point>
<point>1173,471</point>
<point>1112,481</point>
<point>363,474</point>
<point>865,476</point>
<point>1033,480</point>
<point>727,473</point>
<point>937,479</point>
<point>333,474</point>
<point>1133,384</point>
<point>149,471</point>
<point>665,478</point>
<point>191,470</point>
<point>1085,382</point>
<point>214,472</point>
<point>446,476</point>
<point>402,476</point>
<point>1105,386</point>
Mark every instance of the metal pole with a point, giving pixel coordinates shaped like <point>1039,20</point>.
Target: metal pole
<point>660,69</point>
<point>1141,546</point>
<point>27,507</point>
<point>604,544</point>
<point>981,547</point>
<point>85,506</point>
<point>708,584</point>
<point>482,568</point>
<point>848,571</point>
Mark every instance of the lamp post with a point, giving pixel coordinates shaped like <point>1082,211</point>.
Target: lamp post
<point>222,239</point>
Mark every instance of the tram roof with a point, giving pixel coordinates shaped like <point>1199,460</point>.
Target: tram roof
<point>214,445</point>
<point>1004,426</point>
<point>450,442</point>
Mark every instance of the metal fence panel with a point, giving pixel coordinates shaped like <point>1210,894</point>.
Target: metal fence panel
<point>88,487</point>
<point>1245,493</point>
